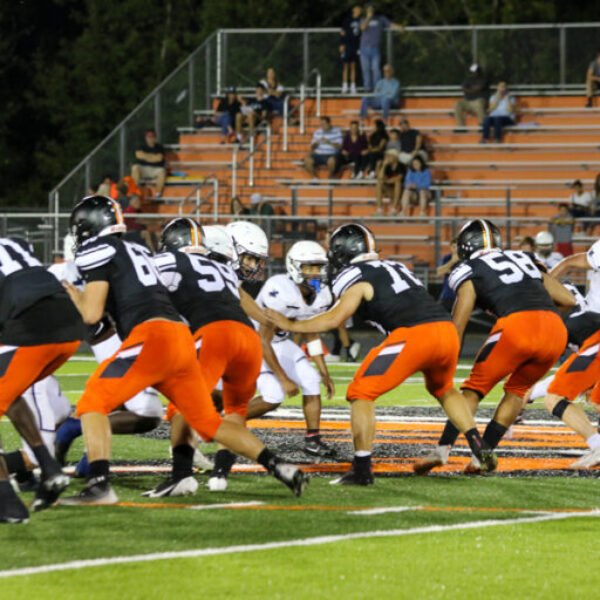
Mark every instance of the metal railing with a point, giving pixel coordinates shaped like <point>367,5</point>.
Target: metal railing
<point>300,106</point>
<point>254,147</point>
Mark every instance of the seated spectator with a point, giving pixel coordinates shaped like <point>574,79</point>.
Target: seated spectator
<point>150,163</point>
<point>447,262</point>
<point>581,202</point>
<point>254,111</point>
<point>354,149</point>
<point>108,187</point>
<point>527,244</point>
<point>237,207</point>
<point>385,96</point>
<point>416,187</point>
<point>501,113</point>
<point>137,231</point>
<point>411,143</point>
<point>123,197</point>
<point>325,149</point>
<point>389,181</point>
<point>561,227</point>
<point>376,145</point>
<point>225,116</point>
<point>261,206</point>
<point>544,242</point>
<point>394,141</point>
<point>592,80</point>
<point>275,91</point>
<point>475,90</point>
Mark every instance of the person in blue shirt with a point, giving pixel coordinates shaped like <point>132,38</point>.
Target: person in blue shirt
<point>386,95</point>
<point>501,113</point>
<point>416,187</point>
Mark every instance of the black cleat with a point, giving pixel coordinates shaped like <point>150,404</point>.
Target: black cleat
<point>292,476</point>
<point>12,510</point>
<point>97,491</point>
<point>27,481</point>
<point>49,490</point>
<point>352,477</point>
<point>315,446</point>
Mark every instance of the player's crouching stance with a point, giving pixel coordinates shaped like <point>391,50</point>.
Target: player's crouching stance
<point>420,337</point>
<point>158,350</point>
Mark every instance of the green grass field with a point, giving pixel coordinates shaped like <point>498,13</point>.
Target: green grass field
<point>404,537</point>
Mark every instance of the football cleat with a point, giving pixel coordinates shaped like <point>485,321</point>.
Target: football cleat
<point>217,483</point>
<point>201,462</point>
<point>315,446</point>
<point>292,476</point>
<point>590,459</point>
<point>97,491</point>
<point>353,477</point>
<point>49,490</point>
<point>487,464</point>
<point>174,487</point>
<point>12,510</point>
<point>436,458</point>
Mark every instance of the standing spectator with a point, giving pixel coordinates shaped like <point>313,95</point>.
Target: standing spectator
<point>354,149</point>
<point>237,207</point>
<point>416,187</point>
<point>377,143</point>
<point>389,181</point>
<point>411,143</point>
<point>592,80</point>
<point>275,91</point>
<point>581,202</point>
<point>501,113</point>
<point>447,262</point>
<point>544,242</point>
<point>349,47</point>
<point>475,90</point>
<point>254,111</point>
<point>561,227</point>
<point>372,27</point>
<point>386,95</point>
<point>225,116</point>
<point>325,149</point>
<point>150,163</point>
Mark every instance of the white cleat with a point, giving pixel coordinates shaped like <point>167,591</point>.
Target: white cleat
<point>174,487</point>
<point>436,458</point>
<point>201,462</point>
<point>590,459</point>
<point>217,484</point>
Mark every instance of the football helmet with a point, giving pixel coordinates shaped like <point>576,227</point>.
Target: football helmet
<point>307,253</point>
<point>218,244</point>
<point>475,235</point>
<point>248,240</point>
<point>96,216</point>
<point>349,244</point>
<point>181,234</point>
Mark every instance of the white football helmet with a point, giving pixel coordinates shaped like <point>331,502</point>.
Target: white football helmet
<point>544,238</point>
<point>248,240</point>
<point>218,243</point>
<point>307,253</point>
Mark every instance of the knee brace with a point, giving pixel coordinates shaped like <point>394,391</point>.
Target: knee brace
<point>560,407</point>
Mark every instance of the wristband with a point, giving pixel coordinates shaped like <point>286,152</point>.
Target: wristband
<point>314,347</point>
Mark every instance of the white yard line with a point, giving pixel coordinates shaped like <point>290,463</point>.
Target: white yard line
<point>312,541</point>
<point>384,510</point>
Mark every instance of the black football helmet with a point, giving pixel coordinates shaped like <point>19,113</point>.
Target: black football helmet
<point>95,216</point>
<point>478,234</point>
<point>182,234</point>
<point>349,242</point>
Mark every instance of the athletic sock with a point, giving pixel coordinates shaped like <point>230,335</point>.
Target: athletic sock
<point>267,459</point>
<point>14,462</point>
<point>312,434</point>
<point>224,460</point>
<point>593,442</point>
<point>449,435</point>
<point>475,442</point>
<point>99,471</point>
<point>45,461</point>
<point>183,460</point>
<point>362,462</point>
<point>493,433</point>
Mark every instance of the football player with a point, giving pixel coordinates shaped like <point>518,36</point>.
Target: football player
<point>158,349</point>
<point>420,336</point>
<point>300,293</point>
<point>39,330</point>
<point>206,293</point>
<point>544,243</point>
<point>527,339</point>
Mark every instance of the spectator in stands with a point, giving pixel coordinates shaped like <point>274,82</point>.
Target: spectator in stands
<point>592,80</point>
<point>349,48</point>
<point>325,149</point>
<point>253,111</point>
<point>501,113</point>
<point>385,96</point>
<point>275,91</point>
<point>394,140</point>
<point>527,244</point>
<point>354,149</point>
<point>389,182</point>
<point>581,202</point>
<point>561,227</point>
<point>123,197</point>
<point>416,187</point>
<point>445,267</point>
<point>475,90</point>
<point>411,143</point>
<point>225,116</point>
<point>544,243</point>
<point>262,207</point>
<point>150,163</point>
<point>377,143</point>
<point>137,231</point>
<point>372,27</point>
<point>237,207</point>
<point>108,187</point>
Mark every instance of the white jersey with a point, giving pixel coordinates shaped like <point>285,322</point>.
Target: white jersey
<point>593,295</point>
<point>281,294</point>
<point>551,260</point>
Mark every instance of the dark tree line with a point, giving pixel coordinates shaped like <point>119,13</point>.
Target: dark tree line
<point>70,70</point>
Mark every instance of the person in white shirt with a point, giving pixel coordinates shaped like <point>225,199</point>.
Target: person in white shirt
<point>544,242</point>
<point>501,113</point>
<point>581,202</point>
<point>325,149</point>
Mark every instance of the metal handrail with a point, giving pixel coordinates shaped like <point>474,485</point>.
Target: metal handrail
<point>253,149</point>
<point>300,106</point>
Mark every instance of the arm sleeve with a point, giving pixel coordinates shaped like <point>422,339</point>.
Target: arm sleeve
<point>93,261</point>
<point>166,265</point>
<point>459,275</point>
<point>345,279</point>
<point>593,256</point>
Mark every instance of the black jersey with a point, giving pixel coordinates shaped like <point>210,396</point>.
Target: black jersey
<point>202,290</point>
<point>35,309</point>
<point>505,281</point>
<point>135,293</point>
<point>399,298</point>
